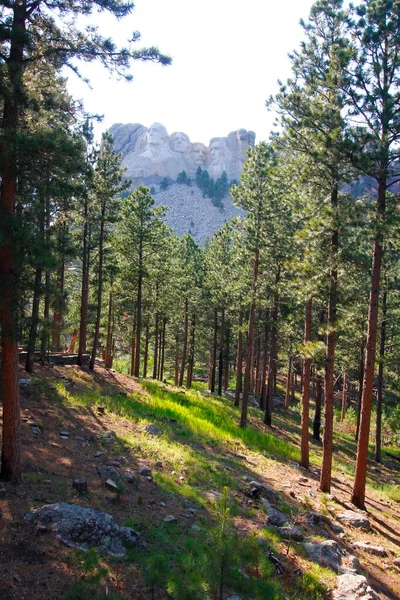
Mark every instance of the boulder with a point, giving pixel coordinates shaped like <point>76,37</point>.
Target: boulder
<point>375,550</point>
<point>275,517</point>
<point>290,532</point>
<point>353,587</point>
<point>85,528</point>
<point>153,429</point>
<point>355,519</point>
<point>327,554</point>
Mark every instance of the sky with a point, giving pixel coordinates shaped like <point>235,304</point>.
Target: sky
<point>227,57</point>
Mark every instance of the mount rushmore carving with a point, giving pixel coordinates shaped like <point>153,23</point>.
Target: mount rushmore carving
<point>151,153</point>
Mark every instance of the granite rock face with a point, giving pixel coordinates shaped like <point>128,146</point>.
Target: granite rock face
<point>152,152</point>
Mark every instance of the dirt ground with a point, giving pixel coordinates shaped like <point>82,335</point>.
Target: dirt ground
<point>37,566</point>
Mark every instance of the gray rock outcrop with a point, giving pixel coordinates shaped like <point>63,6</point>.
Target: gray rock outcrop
<point>153,152</point>
<point>355,519</point>
<point>353,587</point>
<point>84,528</point>
<point>327,554</point>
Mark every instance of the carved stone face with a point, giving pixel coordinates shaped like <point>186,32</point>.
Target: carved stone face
<point>179,142</point>
<point>217,150</point>
<point>157,135</point>
<point>199,154</point>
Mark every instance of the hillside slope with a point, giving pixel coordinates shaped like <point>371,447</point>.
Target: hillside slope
<point>101,426</point>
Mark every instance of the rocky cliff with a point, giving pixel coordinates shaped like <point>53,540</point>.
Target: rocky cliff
<point>151,155</point>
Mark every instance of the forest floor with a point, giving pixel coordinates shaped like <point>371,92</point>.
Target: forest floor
<point>200,450</point>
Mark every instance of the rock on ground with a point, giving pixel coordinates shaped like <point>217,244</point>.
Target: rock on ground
<point>354,587</point>
<point>327,554</point>
<point>355,519</point>
<point>85,528</point>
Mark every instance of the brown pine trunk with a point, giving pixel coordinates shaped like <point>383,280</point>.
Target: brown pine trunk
<point>250,343</point>
<point>99,294</point>
<point>58,312</point>
<point>318,407</point>
<point>263,398</point>
<point>185,342</point>
<point>85,288</point>
<point>327,442</point>
<point>288,383</point>
<point>10,458</point>
<point>360,384</point>
<point>71,347</point>
<point>378,432</point>
<point>163,348</point>
<point>272,354</point>
<point>221,352</point>
<point>189,376</point>
<point>138,318</point>
<point>344,396</point>
<point>305,458</point>
<point>155,356</point>
<point>360,478</point>
<point>239,362</point>
<point>110,326</point>
<point>176,378</point>
<point>146,351</point>
<point>34,321</point>
<point>214,353</point>
<point>227,351</point>
<point>133,347</point>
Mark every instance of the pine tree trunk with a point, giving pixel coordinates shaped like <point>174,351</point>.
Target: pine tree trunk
<point>257,376</point>
<point>378,432</point>
<point>155,357</point>
<point>185,342</point>
<point>227,352</point>
<point>133,347</point>
<point>99,294</point>
<point>288,383</point>
<point>10,458</point>
<point>239,362</point>
<point>263,398</point>
<point>214,353</point>
<point>138,318</point>
<point>360,478</point>
<point>191,353</point>
<point>344,396</point>
<point>176,378</point>
<point>250,344</point>
<point>163,348</point>
<point>327,443</point>
<point>272,354</point>
<point>85,289</point>
<point>58,313</point>
<point>318,407</point>
<point>360,384</point>
<point>221,352</point>
<point>109,343</point>
<point>305,458</point>
<point>146,351</point>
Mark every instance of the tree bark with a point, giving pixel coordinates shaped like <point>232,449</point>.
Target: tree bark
<point>191,353</point>
<point>146,351</point>
<point>221,352</point>
<point>99,293</point>
<point>360,478</point>
<point>155,357</point>
<point>288,383</point>
<point>214,353</point>
<point>185,342</point>
<point>250,343</point>
<point>360,384</point>
<point>378,432</point>
<point>10,458</point>
<point>344,395</point>
<point>133,347</point>
<point>85,287</point>
<point>163,348</point>
<point>239,362</point>
<point>263,398</point>
<point>138,317</point>
<point>318,408</point>
<point>305,458</point>
<point>327,442</point>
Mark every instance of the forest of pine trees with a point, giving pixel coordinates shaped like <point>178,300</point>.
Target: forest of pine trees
<point>305,285</point>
